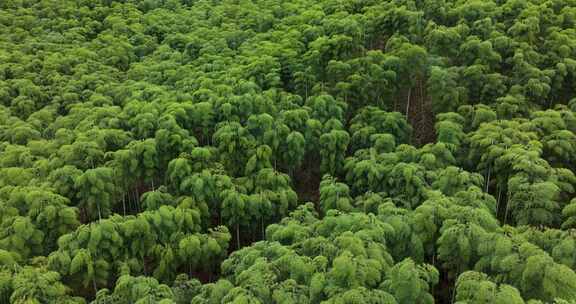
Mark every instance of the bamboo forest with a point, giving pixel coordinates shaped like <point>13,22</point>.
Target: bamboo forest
<point>287,151</point>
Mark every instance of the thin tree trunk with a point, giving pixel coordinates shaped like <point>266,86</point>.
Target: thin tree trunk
<point>237,236</point>
<point>499,197</point>
<point>422,100</point>
<point>488,178</point>
<point>94,285</point>
<point>99,212</point>
<point>124,203</point>
<point>337,198</point>
<point>130,205</point>
<point>144,266</point>
<point>408,103</point>
<point>262,226</point>
<point>136,199</point>
<point>507,206</point>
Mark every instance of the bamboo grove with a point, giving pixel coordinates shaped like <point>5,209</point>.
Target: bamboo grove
<point>269,151</point>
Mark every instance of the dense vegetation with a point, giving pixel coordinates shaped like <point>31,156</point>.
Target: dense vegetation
<point>270,151</point>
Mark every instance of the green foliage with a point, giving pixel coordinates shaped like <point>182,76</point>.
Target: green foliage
<point>37,285</point>
<point>235,145</point>
<point>130,289</point>
<point>162,151</point>
<point>474,287</point>
<point>410,283</point>
<point>153,200</point>
<point>569,213</point>
<point>96,191</point>
<point>20,235</point>
<point>333,147</point>
<point>334,195</point>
